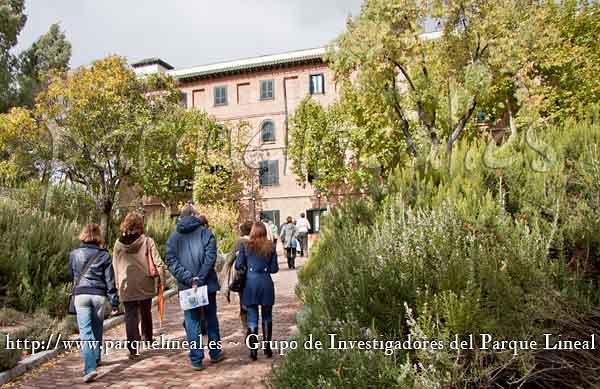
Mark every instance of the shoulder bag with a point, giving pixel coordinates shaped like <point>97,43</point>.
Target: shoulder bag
<point>152,270</point>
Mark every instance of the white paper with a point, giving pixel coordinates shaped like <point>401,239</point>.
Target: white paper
<point>193,298</point>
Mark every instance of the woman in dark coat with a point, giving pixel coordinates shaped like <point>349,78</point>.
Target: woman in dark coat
<point>258,258</point>
<point>91,268</point>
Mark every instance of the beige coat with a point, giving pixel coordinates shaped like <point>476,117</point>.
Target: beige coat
<point>130,264</point>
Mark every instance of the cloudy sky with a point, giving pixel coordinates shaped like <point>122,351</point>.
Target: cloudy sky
<point>187,32</point>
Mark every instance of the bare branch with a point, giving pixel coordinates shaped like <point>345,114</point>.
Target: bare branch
<point>405,74</point>
<point>462,122</point>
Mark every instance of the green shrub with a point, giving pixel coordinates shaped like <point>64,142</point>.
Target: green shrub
<point>8,358</point>
<point>41,327</point>
<point>34,259</point>
<point>476,250</point>
<point>70,202</point>
<point>10,317</point>
<point>160,228</point>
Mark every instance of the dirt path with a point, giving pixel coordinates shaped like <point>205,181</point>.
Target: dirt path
<point>171,368</point>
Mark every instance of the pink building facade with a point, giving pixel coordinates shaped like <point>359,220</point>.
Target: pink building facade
<point>264,92</point>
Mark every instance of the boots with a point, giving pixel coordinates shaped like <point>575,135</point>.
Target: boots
<point>253,342</point>
<point>267,329</point>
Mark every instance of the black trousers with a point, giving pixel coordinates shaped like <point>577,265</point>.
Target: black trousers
<point>291,257</point>
<point>136,312</point>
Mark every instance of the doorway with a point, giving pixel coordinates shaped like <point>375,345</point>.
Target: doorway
<point>314,218</point>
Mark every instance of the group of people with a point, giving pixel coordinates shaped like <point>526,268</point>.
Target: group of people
<point>136,270</point>
<point>294,237</point>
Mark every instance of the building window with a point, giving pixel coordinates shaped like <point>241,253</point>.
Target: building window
<point>184,99</point>
<point>272,216</point>
<point>266,90</point>
<point>220,95</point>
<point>317,84</point>
<point>267,132</point>
<point>268,173</point>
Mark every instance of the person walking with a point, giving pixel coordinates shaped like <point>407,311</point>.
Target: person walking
<point>138,272</point>
<point>191,255</point>
<point>258,258</point>
<point>288,235</point>
<point>269,233</point>
<point>91,268</point>
<point>303,227</point>
<point>274,232</point>
<point>229,268</point>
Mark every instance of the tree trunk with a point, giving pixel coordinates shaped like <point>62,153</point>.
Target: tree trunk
<point>458,129</point>
<point>46,189</point>
<point>412,148</point>
<point>449,147</point>
<point>106,219</point>
<point>47,172</point>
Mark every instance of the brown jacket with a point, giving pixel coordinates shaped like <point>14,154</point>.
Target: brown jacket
<point>130,263</point>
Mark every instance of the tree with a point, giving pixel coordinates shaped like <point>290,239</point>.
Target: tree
<point>403,89</point>
<point>12,21</point>
<point>564,76</point>
<point>49,53</point>
<point>24,152</point>
<point>101,114</point>
<point>187,153</point>
<point>168,165</point>
<point>320,145</point>
<point>220,175</point>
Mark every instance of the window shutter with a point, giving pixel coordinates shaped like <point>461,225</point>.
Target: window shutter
<point>263,173</point>
<point>274,170</point>
<point>269,173</point>
<point>268,132</point>
<point>266,89</point>
<point>220,95</point>
<point>317,84</point>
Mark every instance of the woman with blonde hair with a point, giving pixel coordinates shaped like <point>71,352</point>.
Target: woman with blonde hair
<point>93,281</point>
<point>258,258</point>
<point>138,270</point>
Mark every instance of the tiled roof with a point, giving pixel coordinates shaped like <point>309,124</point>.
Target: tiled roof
<point>250,63</point>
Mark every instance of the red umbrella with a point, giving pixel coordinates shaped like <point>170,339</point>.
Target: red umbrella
<point>160,301</point>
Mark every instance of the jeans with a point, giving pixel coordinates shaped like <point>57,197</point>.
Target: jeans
<point>243,312</point>
<point>90,318</point>
<point>303,239</point>
<point>192,319</point>
<point>133,311</point>
<point>266,312</point>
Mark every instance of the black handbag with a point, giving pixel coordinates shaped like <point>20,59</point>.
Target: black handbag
<point>86,267</point>
<point>239,280</point>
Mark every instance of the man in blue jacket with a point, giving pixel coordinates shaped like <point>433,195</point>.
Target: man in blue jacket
<point>191,255</point>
